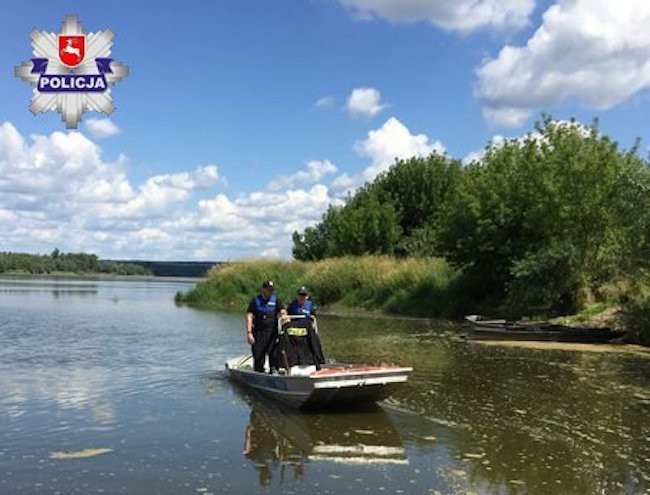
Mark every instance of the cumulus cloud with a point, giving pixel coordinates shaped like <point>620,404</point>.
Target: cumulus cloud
<point>101,128</point>
<point>365,102</point>
<point>453,15</point>
<point>594,51</point>
<point>316,170</point>
<point>345,184</point>
<point>161,194</point>
<point>393,140</point>
<point>259,223</point>
<point>57,191</point>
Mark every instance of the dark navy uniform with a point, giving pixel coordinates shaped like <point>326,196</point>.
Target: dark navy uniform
<point>265,326</point>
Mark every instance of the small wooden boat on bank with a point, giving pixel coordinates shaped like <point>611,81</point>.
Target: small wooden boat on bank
<point>482,328</point>
<point>335,384</point>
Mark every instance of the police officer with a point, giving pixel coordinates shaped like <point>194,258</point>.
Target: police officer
<point>302,305</point>
<point>262,323</point>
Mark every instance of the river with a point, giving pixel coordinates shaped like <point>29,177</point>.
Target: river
<point>106,386</point>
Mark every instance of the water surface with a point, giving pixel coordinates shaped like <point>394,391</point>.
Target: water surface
<point>108,387</point>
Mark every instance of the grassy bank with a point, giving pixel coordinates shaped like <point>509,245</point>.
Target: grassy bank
<point>422,287</point>
<point>414,287</point>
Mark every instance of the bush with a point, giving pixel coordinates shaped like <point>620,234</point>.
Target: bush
<point>635,316</point>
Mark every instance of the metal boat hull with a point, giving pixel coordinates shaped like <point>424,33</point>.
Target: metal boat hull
<point>336,384</point>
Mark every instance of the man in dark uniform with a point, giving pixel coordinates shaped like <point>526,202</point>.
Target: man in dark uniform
<point>262,323</point>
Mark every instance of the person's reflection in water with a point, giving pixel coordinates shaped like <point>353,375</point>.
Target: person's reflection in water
<point>260,446</point>
<point>268,450</point>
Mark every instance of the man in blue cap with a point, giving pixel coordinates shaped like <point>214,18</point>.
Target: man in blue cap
<point>262,323</point>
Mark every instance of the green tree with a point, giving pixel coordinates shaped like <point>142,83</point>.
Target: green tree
<point>552,213</point>
<point>418,187</point>
<point>395,214</point>
<point>313,243</point>
<point>365,225</point>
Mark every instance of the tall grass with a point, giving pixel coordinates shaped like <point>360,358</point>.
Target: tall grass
<point>411,286</point>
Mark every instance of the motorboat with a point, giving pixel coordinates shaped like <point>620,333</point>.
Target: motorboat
<point>334,384</point>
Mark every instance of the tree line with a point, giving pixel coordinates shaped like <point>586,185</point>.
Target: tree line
<point>59,262</point>
<point>536,224</point>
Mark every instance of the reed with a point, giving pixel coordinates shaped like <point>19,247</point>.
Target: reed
<point>409,286</point>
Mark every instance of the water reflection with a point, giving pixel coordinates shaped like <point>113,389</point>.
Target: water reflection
<point>129,371</point>
<point>522,420</point>
<point>281,442</point>
<point>55,286</point>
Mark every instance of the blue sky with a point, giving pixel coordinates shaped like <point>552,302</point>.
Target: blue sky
<point>242,120</point>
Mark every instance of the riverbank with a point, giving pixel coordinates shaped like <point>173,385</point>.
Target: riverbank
<point>382,285</point>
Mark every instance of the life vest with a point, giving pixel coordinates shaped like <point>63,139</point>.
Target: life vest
<point>265,313</point>
<point>306,309</point>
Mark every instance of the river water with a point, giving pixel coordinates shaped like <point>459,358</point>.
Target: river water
<point>106,386</point>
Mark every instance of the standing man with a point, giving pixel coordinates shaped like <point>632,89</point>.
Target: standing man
<point>302,305</point>
<point>262,323</point>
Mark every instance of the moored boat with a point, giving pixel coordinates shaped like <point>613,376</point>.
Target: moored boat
<point>482,328</point>
<point>339,384</point>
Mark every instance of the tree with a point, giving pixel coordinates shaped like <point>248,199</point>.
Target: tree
<point>313,243</point>
<point>418,187</point>
<point>550,213</point>
<point>395,214</point>
<point>365,225</point>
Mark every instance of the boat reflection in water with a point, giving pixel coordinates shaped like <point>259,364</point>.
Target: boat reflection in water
<point>281,441</point>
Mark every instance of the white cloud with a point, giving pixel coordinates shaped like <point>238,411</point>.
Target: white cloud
<point>344,184</point>
<point>58,191</point>
<point>161,194</point>
<point>393,140</point>
<point>594,51</point>
<point>364,101</point>
<point>325,102</point>
<point>316,170</point>
<point>453,15</point>
<point>101,128</point>
<point>259,223</point>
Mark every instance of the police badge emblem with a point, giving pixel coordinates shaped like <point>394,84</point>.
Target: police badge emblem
<point>72,72</point>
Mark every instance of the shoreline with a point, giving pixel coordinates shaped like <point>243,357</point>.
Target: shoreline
<point>94,276</point>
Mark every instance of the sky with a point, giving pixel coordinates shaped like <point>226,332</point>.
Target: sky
<point>242,120</point>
